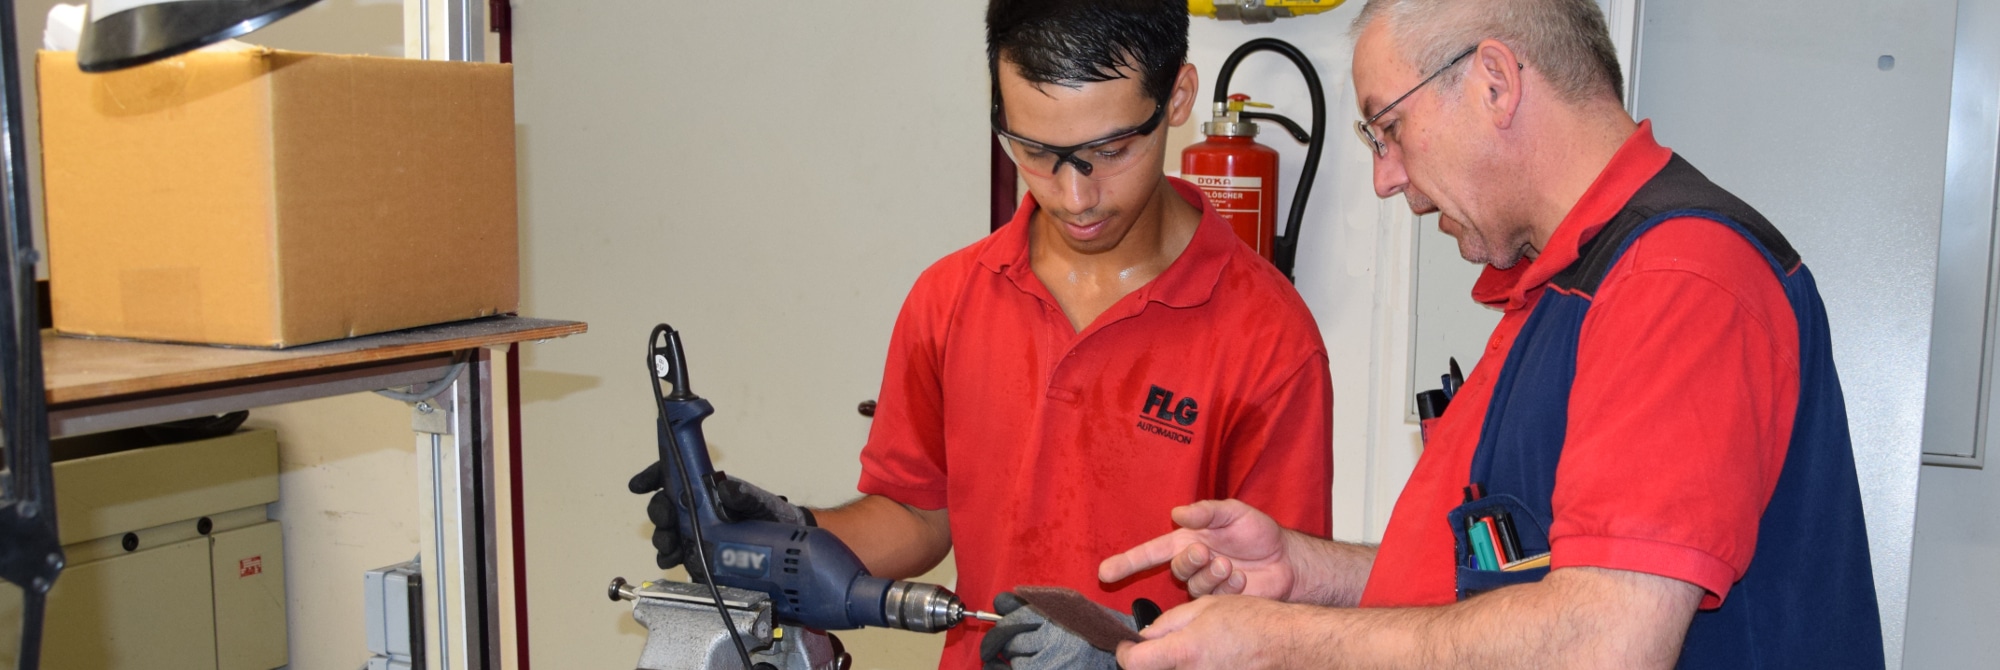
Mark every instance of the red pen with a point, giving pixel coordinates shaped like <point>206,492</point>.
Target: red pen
<point>1499,548</point>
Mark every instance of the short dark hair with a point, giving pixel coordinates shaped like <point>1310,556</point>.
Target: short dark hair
<point>1071,42</point>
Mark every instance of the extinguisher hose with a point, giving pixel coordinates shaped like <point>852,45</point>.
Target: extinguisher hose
<point>1285,248</point>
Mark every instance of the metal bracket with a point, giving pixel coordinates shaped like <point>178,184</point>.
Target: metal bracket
<point>31,558</point>
<point>433,416</point>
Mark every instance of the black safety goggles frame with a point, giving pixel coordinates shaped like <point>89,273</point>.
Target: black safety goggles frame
<point>1067,154</point>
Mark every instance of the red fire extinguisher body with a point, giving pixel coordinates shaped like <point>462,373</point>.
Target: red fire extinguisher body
<point>1240,178</point>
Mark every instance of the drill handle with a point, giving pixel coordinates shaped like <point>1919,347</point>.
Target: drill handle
<point>668,362</point>
<point>690,476</point>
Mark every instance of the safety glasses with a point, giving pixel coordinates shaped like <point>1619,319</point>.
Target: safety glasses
<point>1102,158</point>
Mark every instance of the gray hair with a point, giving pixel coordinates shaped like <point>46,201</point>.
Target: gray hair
<point>1566,40</point>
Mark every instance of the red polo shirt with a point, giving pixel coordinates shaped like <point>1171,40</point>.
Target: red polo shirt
<point>1679,416</point>
<point>1055,449</point>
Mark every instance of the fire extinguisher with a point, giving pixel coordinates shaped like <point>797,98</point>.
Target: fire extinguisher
<point>1239,175</point>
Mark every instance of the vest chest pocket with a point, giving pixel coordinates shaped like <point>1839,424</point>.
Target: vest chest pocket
<point>1507,531</point>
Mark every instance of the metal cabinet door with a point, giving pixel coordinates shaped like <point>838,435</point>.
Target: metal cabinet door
<point>149,609</point>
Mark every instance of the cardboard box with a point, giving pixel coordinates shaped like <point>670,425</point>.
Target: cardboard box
<point>269,198</point>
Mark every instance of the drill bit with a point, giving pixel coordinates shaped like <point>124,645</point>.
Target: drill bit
<point>982,616</point>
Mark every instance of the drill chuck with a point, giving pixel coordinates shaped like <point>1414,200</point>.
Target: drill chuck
<point>924,608</point>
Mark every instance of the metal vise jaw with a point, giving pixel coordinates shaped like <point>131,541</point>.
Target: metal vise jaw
<point>684,631</point>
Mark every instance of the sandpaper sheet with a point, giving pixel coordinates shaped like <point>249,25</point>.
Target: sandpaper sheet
<point>1077,614</point>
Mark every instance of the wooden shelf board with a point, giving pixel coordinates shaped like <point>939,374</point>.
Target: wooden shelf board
<point>83,369</point>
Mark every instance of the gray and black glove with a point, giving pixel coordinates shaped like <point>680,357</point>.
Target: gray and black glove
<point>1024,639</point>
<point>741,501</point>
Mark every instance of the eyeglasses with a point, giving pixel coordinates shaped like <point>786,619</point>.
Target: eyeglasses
<point>1102,158</point>
<point>1366,128</point>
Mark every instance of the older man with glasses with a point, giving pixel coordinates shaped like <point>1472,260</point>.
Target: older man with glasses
<point>1650,467</point>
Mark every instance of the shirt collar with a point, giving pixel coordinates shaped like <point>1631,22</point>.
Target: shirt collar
<point>1189,281</point>
<point>1635,163</point>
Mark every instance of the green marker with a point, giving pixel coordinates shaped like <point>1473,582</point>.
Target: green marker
<point>1482,546</point>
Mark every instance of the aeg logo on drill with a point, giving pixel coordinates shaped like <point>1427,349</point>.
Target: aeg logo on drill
<point>1166,418</point>
<point>743,559</point>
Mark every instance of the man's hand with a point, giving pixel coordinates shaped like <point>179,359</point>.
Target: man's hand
<point>1229,632</point>
<point>741,501</point>
<point>1222,547</point>
<point>1575,618</point>
<point>1024,639</point>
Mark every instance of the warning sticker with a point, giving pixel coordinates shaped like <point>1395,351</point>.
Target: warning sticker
<point>250,567</point>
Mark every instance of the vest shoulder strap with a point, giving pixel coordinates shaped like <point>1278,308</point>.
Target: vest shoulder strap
<point>1678,190</point>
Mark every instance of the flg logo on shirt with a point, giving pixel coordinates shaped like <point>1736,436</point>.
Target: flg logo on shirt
<point>1165,417</point>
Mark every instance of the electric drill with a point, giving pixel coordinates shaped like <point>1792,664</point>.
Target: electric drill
<point>813,579</point>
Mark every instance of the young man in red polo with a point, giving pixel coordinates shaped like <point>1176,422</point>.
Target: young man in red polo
<point>1115,351</point>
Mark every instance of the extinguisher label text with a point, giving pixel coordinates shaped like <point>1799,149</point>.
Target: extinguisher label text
<point>1232,200</point>
<point>1227,182</point>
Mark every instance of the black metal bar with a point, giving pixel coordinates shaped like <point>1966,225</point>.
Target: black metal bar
<point>477,443</point>
<point>500,16</point>
<point>147,33</point>
<point>30,555</point>
<point>519,505</point>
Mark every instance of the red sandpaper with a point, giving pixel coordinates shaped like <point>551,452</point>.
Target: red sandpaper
<point>1077,614</point>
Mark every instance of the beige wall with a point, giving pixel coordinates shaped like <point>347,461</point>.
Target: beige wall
<point>769,179</point>
<point>349,499</point>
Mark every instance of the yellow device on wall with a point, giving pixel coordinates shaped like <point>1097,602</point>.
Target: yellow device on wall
<point>1258,11</point>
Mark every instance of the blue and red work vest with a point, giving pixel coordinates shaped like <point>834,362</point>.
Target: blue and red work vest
<point>1808,597</point>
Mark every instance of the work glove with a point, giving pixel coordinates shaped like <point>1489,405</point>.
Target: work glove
<point>741,501</point>
<point>1024,640</point>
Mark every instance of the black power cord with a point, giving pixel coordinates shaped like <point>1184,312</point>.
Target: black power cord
<point>658,372</point>
<point>1285,248</point>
